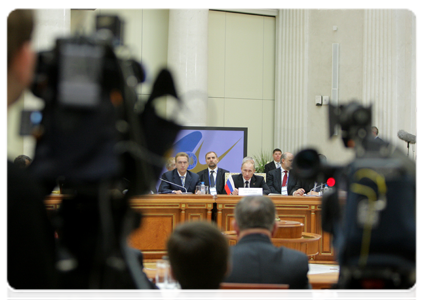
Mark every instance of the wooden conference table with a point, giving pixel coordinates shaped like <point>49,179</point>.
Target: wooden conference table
<point>162,212</point>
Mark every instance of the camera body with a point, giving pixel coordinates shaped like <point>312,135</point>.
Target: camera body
<point>371,212</point>
<point>101,150</point>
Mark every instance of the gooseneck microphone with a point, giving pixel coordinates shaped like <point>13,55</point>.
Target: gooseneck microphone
<point>181,186</point>
<point>407,137</point>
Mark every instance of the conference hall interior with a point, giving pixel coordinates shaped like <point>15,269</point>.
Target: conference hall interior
<point>272,75</point>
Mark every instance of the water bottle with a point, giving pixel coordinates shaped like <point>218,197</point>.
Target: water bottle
<point>203,188</point>
<point>326,189</point>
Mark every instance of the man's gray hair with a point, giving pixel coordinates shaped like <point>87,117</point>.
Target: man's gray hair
<point>255,212</point>
<point>248,159</point>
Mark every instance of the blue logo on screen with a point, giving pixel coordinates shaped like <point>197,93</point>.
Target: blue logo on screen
<point>187,144</point>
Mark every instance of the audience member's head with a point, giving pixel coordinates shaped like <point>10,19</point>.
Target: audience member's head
<point>182,162</point>
<point>248,169</point>
<point>199,255</point>
<point>170,164</point>
<point>255,212</point>
<point>286,160</point>
<point>20,56</point>
<point>22,161</point>
<point>277,153</point>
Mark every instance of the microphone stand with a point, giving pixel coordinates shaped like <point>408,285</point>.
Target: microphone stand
<point>181,186</point>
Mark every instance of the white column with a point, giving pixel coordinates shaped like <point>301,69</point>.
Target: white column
<point>187,60</point>
<point>49,25</point>
<point>389,72</point>
<point>291,79</point>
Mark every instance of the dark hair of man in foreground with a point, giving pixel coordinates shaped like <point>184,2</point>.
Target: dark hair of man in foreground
<point>198,254</point>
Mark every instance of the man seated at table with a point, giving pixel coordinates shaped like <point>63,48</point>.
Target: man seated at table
<point>254,258</point>
<point>282,181</point>
<point>199,255</point>
<point>213,176</point>
<point>180,179</point>
<point>247,179</point>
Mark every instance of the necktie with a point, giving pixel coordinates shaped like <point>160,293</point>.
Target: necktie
<point>246,184</point>
<point>212,178</point>
<point>285,177</point>
<point>183,180</point>
<point>278,165</point>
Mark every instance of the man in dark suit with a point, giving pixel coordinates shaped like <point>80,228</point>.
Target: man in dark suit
<point>247,179</point>
<point>213,176</point>
<point>277,153</point>
<point>282,181</point>
<point>180,177</point>
<point>375,132</point>
<point>254,258</point>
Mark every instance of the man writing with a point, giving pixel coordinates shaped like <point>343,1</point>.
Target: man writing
<point>213,176</point>
<point>180,179</point>
<point>254,258</point>
<point>282,181</point>
<point>247,179</point>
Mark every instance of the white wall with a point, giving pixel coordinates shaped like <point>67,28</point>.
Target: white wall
<point>241,76</point>
<point>50,24</point>
<point>376,65</point>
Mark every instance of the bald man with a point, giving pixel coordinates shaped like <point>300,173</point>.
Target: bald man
<point>282,181</point>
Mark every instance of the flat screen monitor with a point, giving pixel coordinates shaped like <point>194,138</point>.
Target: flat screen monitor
<point>229,143</point>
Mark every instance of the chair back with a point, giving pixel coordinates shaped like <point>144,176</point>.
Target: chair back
<point>248,291</point>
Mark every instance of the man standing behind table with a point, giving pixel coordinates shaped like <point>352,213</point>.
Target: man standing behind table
<point>247,179</point>
<point>179,177</point>
<point>213,176</point>
<point>282,181</point>
<point>254,258</point>
<point>276,163</point>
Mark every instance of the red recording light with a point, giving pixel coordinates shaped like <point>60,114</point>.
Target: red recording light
<point>331,182</point>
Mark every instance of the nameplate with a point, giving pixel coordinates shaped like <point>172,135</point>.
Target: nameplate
<point>250,191</point>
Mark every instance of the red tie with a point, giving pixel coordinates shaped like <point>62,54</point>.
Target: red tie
<point>285,177</point>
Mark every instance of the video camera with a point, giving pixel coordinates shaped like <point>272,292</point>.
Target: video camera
<point>371,212</point>
<point>94,140</point>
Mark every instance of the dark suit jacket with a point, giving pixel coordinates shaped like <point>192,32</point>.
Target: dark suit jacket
<point>256,182</point>
<point>220,179</point>
<point>256,260</point>
<point>274,181</point>
<point>269,167</point>
<point>30,236</point>
<point>191,180</point>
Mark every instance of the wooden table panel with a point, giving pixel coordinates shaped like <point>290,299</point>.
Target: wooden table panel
<point>163,212</point>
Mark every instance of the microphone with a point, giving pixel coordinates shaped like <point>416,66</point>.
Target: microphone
<point>408,137</point>
<point>181,186</point>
